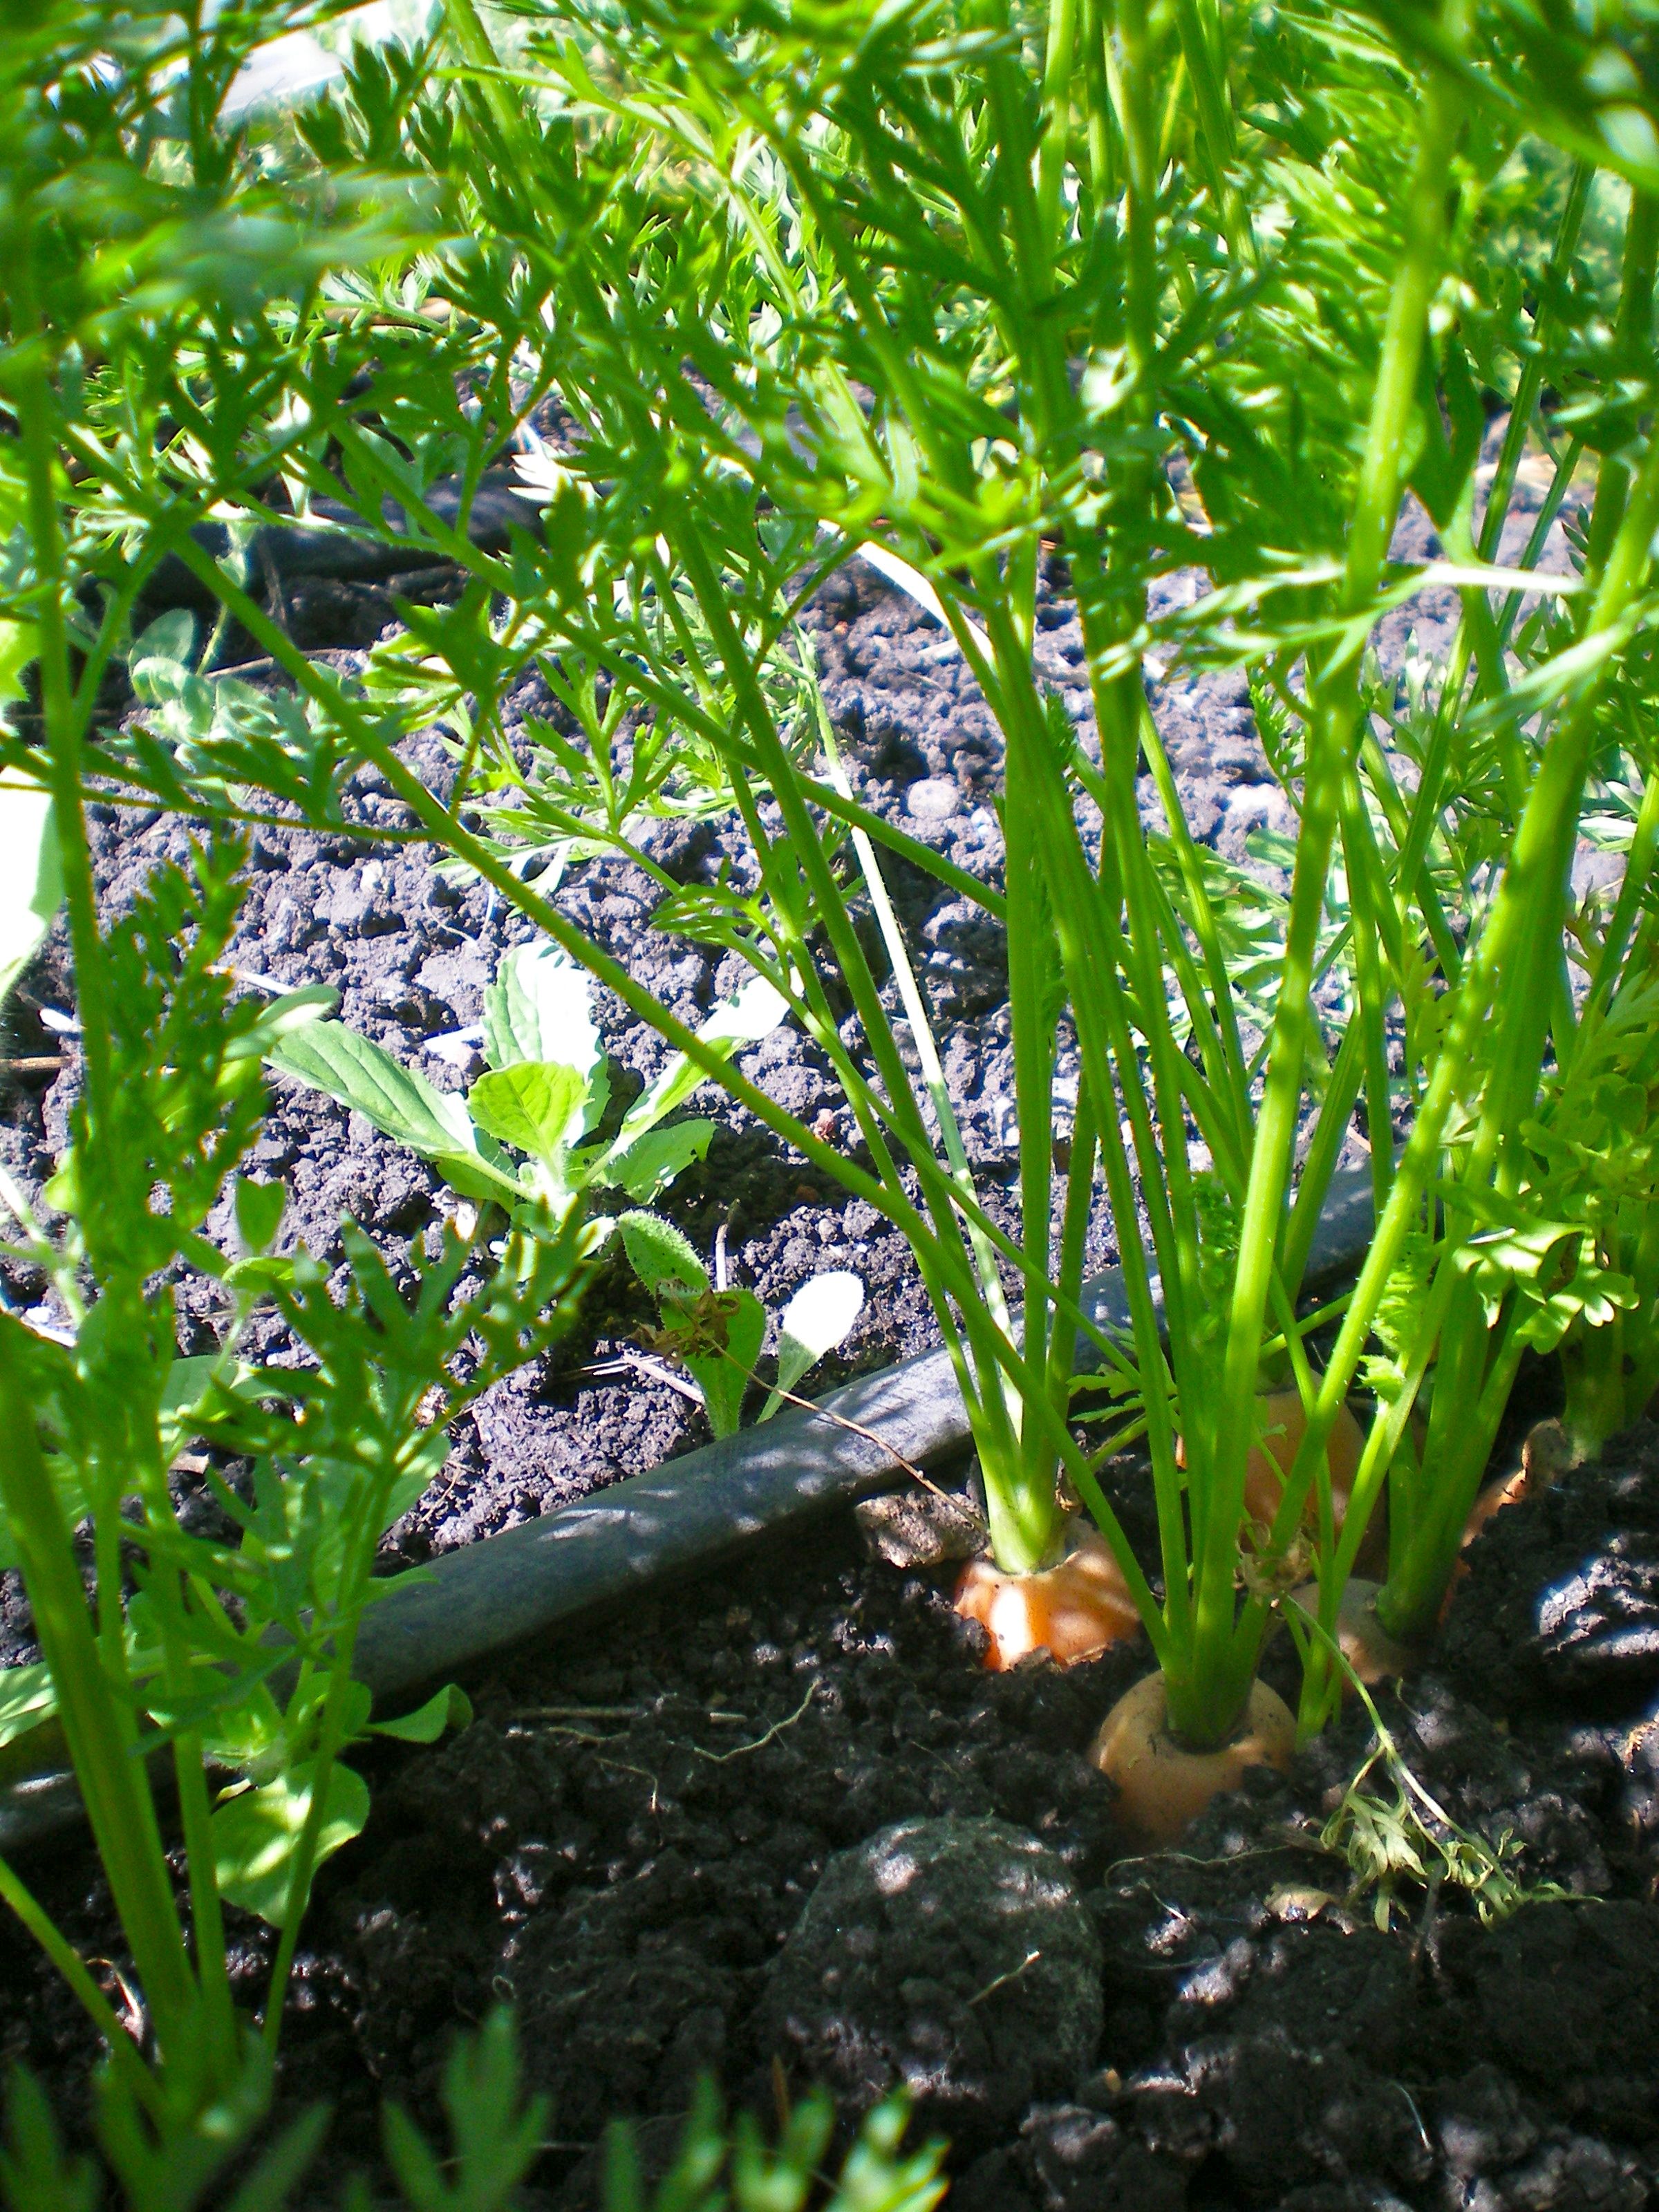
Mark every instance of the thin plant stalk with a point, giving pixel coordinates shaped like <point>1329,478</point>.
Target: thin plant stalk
<point>1524,917</point>
<point>97,1719</point>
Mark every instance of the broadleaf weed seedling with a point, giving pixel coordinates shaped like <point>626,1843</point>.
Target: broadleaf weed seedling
<point>715,1330</point>
<point>546,1092</point>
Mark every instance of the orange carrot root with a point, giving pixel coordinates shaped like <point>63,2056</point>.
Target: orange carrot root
<point>1374,1654</point>
<point>1546,1453</point>
<point>1284,1423</point>
<point>1073,1610</point>
<point>1162,1786</point>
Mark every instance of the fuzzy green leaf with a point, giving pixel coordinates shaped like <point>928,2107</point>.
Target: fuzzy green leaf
<point>181,1392</point>
<point>294,1010</point>
<point>360,1073</point>
<point>20,646</point>
<point>259,1209</point>
<point>659,1254</point>
<point>26,1699</point>
<point>398,1101</point>
<point>723,1377</point>
<point>653,1161</point>
<point>162,655</point>
<point>815,1320</point>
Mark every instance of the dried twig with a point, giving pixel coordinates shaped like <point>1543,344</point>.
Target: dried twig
<point>1003,1980</point>
<point>841,1421</point>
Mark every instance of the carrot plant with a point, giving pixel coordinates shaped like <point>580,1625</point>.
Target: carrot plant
<point>1526,1078</point>
<point>495,2134</point>
<point>231,1658</point>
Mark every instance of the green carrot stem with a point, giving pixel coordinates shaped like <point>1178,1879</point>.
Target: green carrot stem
<point>97,1722</point>
<point>1332,735</point>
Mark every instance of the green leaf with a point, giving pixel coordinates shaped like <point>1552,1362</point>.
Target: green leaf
<point>259,1209</point>
<point>26,1699</point>
<point>538,1008</point>
<point>256,1834</point>
<point>31,881</point>
<point>652,1162</point>
<point>260,1272</point>
<point>658,1254</point>
<point>536,1105</point>
<point>756,1011</point>
<point>293,1010</point>
<point>448,1708</point>
<point>724,1378</point>
<point>20,645</point>
<point>203,1256</point>
<point>491,1181</point>
<point>398,1100</point>
<point>815,1320</point>
<point>162,655</point>
<point>496,2131</point>
<point>36,2173</point>
<point>186,1385</point>
<point>186,1379</point>
<point>71,1497</point>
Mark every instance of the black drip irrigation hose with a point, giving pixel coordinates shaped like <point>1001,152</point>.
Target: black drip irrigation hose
<point>684,1516</point>
<point>346,552</point>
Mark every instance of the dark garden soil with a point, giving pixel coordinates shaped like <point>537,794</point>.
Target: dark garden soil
<point>784,1815</point>
<point>779,1824</point>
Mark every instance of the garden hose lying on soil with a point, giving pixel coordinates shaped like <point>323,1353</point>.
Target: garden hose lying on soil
<point>341,551</point>
<point>684,1514</point>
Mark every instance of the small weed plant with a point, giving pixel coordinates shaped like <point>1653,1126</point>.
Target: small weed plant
<point>1408,1838</point>
<point>546,1096</point>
